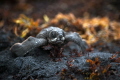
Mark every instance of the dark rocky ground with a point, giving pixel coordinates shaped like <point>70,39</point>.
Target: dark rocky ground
<point>102,63</point>
<point>39,65</point>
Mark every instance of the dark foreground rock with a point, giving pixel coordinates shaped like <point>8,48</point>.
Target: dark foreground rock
<point>39,65</point>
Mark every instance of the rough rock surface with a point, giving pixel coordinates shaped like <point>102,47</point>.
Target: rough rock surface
<point>39,65</point>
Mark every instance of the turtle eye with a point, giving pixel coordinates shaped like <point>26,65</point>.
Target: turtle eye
<point>63,34</point>
<point>53,34</point>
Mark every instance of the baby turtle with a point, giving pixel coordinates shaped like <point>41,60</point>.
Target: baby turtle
<point>50,35</point>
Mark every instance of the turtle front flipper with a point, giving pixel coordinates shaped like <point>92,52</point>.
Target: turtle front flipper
<point>20,49</point>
